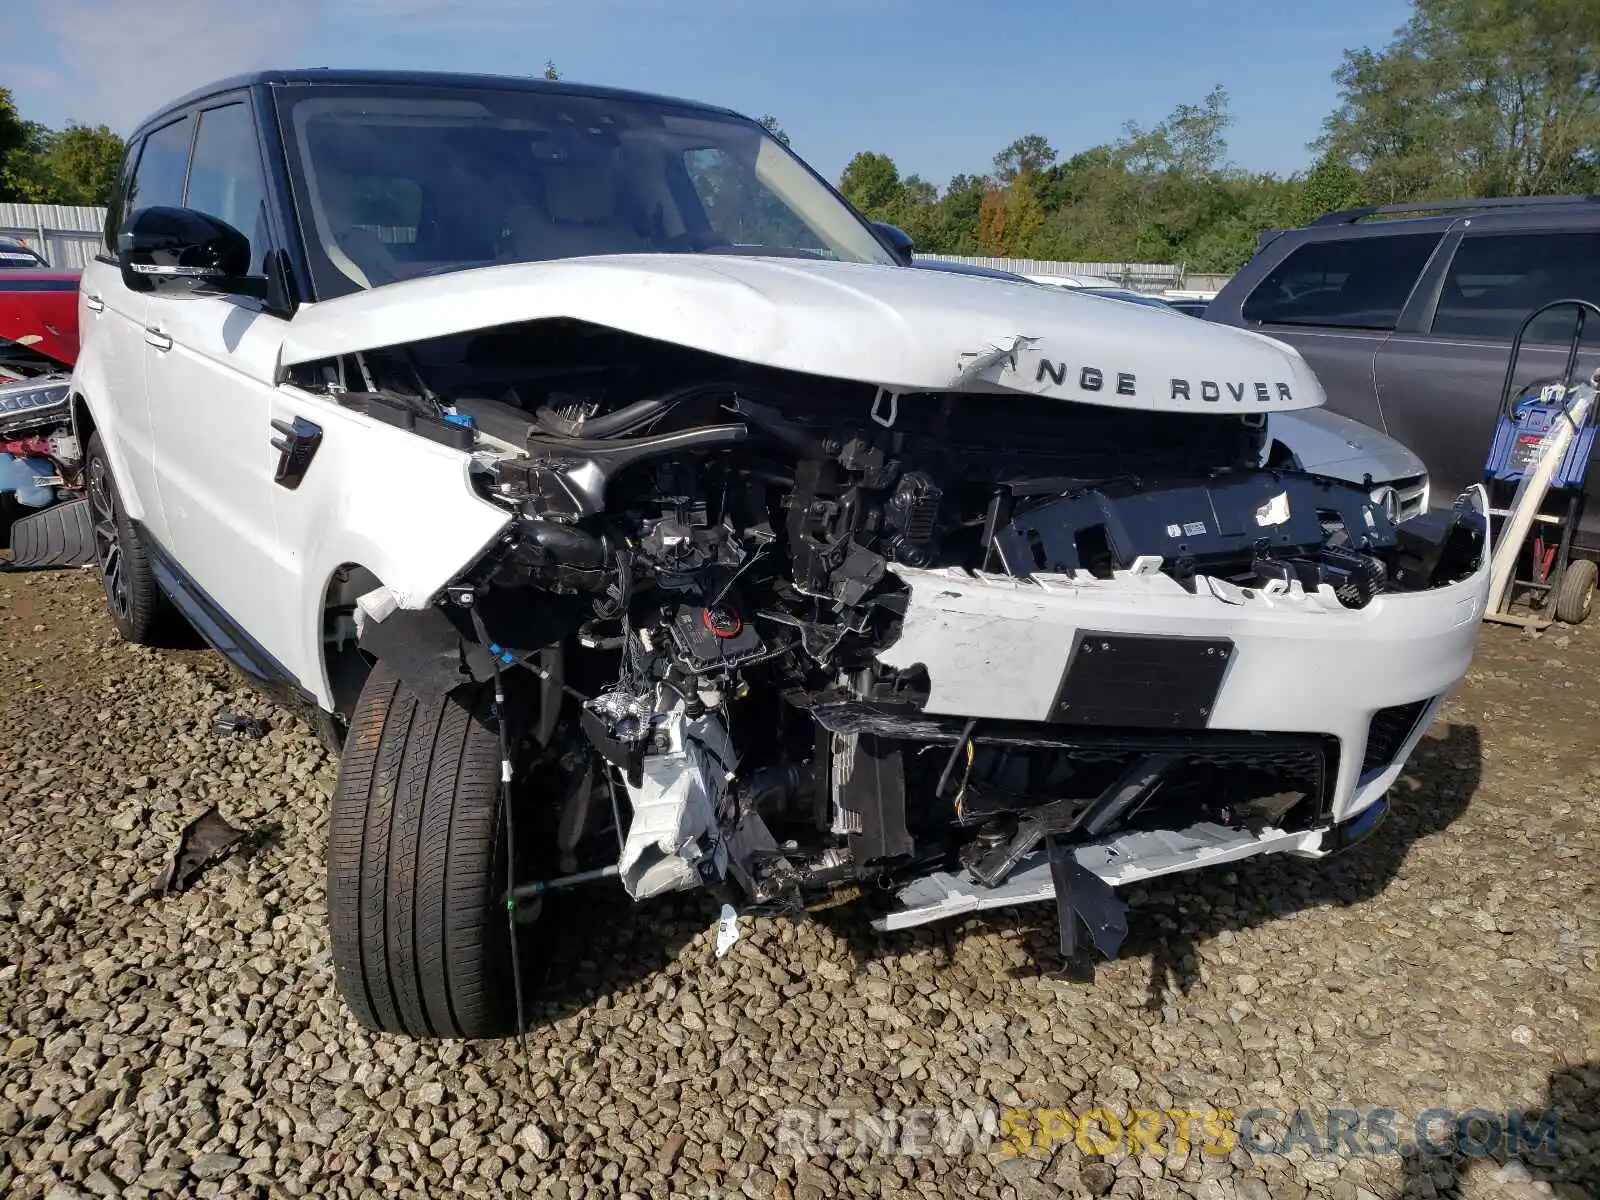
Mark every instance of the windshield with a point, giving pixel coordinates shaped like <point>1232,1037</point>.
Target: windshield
<point>396,182</point>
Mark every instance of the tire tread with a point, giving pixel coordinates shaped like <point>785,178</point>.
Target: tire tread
<point>416,866</point>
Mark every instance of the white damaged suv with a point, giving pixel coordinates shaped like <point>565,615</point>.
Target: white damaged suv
<point>633,516</point>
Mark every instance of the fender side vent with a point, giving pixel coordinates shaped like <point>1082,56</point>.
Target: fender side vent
<point>1388,732</point>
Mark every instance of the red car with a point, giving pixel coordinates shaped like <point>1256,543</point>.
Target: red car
<point>38,322</point>
<point>40,460</point>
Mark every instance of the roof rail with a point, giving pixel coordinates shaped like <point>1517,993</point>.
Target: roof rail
<point>1349,216</point>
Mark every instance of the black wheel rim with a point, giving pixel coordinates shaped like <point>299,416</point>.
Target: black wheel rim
<point>107,545</point>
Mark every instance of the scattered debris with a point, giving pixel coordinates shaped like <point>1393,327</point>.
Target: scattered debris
<point>727,930</point>
<point>205,840</point>
<point>237,724</point>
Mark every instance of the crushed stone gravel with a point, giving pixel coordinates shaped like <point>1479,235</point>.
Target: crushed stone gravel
<point>193,1045</point>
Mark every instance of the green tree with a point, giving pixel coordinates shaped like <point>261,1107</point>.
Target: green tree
<point>1027,155</point>
<point>1484,97</point>
<point>871,182</point>
<point>770,124</point>
<point>917,212</point>
<point>18,146</point>
<point>955,216</point>
<point>75,165</point>
<point>1024,216</point>
<point>1331,184</point>
<point>1191,140</point>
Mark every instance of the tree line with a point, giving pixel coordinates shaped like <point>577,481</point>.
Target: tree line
<point>40,165</point>
<point>1471,98</point>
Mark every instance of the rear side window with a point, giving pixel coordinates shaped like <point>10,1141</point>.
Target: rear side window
<point>225,179</point>
<point>163,163</point>
<point>1361,283</point>
<point>1496,280</point>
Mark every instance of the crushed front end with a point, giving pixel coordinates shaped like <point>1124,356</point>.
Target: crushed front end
<point>958,649</point>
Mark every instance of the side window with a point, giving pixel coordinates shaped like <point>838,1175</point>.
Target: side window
<point>225,178</point>
<point>1496,280</point>
<point>1359,283</point>
<point>158,179</point>
<point>118,208</point>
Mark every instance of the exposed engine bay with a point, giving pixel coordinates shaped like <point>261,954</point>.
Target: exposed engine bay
<point>711,566</point>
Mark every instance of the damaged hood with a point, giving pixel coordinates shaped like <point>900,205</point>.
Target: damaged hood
<point>900,328</point>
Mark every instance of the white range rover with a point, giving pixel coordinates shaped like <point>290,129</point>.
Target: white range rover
<point>632,515</point>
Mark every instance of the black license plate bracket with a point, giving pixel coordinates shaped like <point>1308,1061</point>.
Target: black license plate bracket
<point>1142,681</point>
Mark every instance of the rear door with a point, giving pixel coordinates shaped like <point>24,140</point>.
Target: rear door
<point>1440,384</point>
<point>1337,300</point>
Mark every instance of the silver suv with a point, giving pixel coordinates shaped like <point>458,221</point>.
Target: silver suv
<point>1407,313</point>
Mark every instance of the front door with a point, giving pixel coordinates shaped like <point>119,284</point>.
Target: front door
<point>209,369</point>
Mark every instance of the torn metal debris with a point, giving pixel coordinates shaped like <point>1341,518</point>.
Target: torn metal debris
<point>206,840</point>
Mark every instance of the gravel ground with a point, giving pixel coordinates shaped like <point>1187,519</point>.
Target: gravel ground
<point>194,1045</point>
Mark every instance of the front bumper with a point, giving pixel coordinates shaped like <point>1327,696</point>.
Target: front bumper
<point>1125,859</point>
<point>996,647</point>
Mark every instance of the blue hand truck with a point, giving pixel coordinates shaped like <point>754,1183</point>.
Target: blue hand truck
<point>1524,417</point>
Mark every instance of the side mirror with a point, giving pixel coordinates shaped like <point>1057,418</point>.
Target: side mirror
<point>180,250</point>
<point>899,241</point>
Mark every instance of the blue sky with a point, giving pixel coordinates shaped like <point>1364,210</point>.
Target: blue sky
<point>938,85</point>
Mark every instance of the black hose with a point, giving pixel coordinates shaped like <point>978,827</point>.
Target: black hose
<point>612,454</point>
<point>616,422</point>
<point>770,422</point>
<point>629,417</point>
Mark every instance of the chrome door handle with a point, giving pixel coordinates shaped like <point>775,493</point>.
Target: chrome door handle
<point>161,341</point>
<point>93,302</point>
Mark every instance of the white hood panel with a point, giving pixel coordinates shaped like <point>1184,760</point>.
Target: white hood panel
<point>900,328</point>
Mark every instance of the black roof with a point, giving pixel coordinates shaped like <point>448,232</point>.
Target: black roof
<point>1422,209</point>
<point>1503,214</point>
<point>438,79</point>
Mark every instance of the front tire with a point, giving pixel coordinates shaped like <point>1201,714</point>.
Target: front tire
<point>416,865</point>
<point>133,600</point>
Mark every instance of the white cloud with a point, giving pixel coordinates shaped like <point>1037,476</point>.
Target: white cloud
<point>117,61</point>
<point>122,59</point>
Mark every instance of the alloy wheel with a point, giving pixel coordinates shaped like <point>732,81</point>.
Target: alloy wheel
<point>107,545</point>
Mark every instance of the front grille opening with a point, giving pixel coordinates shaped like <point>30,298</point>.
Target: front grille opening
<point>1241,780</point>
<point>1412,493</point>
<point>1287,788</point>
<point>1388,732</point>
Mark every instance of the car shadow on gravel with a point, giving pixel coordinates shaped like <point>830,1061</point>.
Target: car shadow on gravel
<point>1174,916</point>
<point>1170,918</point>
<point>591,942</point>
<point>1559,1146</point>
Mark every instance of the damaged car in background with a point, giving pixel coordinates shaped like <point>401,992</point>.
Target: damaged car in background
<point>40,460</point>
<point>632,515</point>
